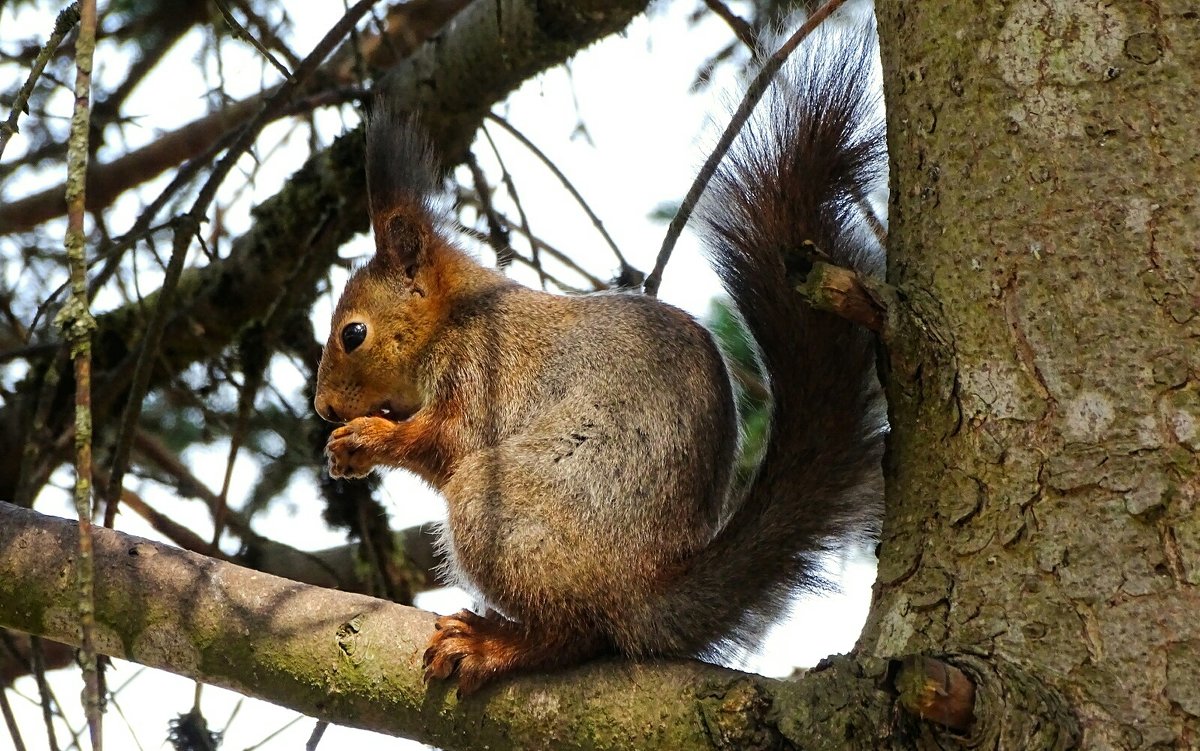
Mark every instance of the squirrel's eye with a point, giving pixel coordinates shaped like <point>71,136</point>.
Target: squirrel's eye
<point>353,335</point>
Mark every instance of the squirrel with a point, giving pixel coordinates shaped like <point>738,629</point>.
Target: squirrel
<point>586,444</point>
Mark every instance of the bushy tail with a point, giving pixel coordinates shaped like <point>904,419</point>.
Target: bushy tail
<point>798,175</point>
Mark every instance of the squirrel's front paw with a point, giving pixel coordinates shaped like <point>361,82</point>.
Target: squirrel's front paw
<point>354,447</point>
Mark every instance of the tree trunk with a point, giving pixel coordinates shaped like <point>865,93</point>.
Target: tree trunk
<point>1042,376</point>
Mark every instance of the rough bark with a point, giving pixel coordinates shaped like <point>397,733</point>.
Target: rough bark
<point>1043,474</point>
<point>356,660</point>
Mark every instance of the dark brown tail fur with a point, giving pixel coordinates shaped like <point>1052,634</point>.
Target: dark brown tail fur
<point>794,178</point>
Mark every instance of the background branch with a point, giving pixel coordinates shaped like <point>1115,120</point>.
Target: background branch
<point>298,232</point>
<point>65,21</point>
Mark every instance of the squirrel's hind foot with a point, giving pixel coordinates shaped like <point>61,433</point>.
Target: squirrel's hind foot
<point>477,650</point>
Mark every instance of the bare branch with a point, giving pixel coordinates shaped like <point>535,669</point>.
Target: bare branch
<point>184,232</point>
<point>204,136</point>
<point>78,325</point>
<point>38,650</point>
<point>566,183</point>
<point>10,720</point>
<point>65,21</point>
<point>356,661</point>
<point>754,92</point>
<point>736,22</point>
<point>509,185</point>
<point>240,32</point>
<point>497,236</point>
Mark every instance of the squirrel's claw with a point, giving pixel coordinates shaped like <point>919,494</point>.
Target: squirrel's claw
<point>461,647</point>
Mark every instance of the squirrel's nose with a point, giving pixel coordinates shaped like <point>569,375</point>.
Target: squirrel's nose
<point>326,411</point>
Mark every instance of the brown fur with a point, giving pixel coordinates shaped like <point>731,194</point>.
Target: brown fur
<point>585,445</point>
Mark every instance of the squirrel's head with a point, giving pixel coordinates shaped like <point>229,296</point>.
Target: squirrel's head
<point>377,355</point>
<point>384,322</point>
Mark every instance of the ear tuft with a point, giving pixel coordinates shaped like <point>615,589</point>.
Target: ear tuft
<point>401,168</point>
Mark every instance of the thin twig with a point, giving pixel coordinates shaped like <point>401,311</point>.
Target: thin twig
<point>34,462</point>
<point>64,23</point>
<point>240,32</point>
<point>317,732</point>
<point>274,733</point>
<point>754,92</point>
<point>78,324</point>
<point>188,485</point>
<point>62,656</point>
<point>418,20</point>
<point>497,234</point>
<point>252,375</point>
<point>276,102</point>
<point>10,720</point>
<point>128,724</point>
<point>37,661</point>
<point>112,252</point>
<point>736,22</point>
<point>511,187</point>
<point>543,246</point>
<point>565,183</point>
<point>481,238</point>
<point>166,526</point>
<point>356,47</point>
<point>268,32</point>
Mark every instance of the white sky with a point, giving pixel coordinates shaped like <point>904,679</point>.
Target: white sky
<point>649,137</point>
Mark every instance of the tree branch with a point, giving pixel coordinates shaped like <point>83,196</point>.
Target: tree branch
<point>356,661</point>
<point>65,21</point>
<point>842,291</point>
<point>753,93</point>
<point>77,325</point>
<point>106,182</point>
<point>338,568</point>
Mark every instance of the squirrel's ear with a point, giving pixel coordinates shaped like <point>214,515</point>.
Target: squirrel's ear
<point>402,178</point>
<point>402,238</point>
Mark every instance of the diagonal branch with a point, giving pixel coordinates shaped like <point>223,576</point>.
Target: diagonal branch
<point>355,660</point>
<point>107,182</point>
<point>753,93</point>
<point>66,20</point>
